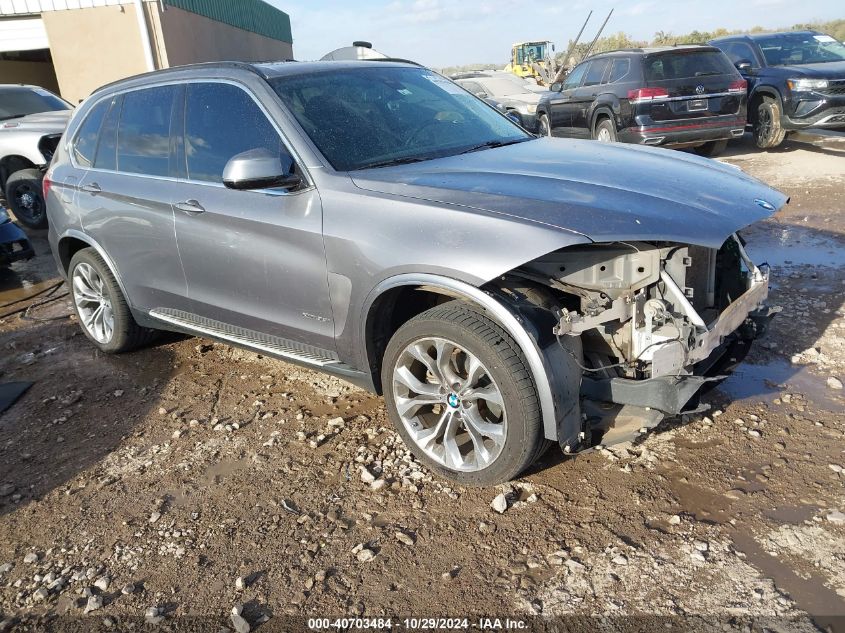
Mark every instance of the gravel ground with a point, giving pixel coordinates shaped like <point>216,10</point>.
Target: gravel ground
<point>192,484</point>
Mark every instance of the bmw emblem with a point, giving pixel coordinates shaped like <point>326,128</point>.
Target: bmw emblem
<point>453,400</point>
<point>764,205</point>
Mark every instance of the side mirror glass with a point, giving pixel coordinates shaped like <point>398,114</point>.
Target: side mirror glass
<point>556,87</point>
<point>259,169</point>
<point>513,116</point>
<point>743,66</point>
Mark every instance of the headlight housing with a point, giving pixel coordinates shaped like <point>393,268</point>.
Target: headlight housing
<point>532,108</point>
<point>799,85</point>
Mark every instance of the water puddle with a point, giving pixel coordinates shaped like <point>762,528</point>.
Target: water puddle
<point>794,245</point>
<point>771,380</point>
<point>792,515</point>
<point>215,473</point>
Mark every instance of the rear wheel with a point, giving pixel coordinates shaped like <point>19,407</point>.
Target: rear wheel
<point>767,128</point>
<point>459,392</point>
<point>25,198</point>
<point>543,127</point>
<point>605,131</point>
<point>100,306</point>
<point>711,148</point>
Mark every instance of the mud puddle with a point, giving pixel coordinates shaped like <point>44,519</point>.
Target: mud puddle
<point>785,245</point>
<point>768,381</point>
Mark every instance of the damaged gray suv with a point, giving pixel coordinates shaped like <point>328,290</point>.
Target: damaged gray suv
<point>376,221</point>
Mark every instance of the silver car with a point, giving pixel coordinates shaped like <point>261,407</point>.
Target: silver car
<point>374,220</point>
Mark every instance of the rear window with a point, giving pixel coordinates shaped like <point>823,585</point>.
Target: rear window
<point>20,101</point>
<point>686,65</point>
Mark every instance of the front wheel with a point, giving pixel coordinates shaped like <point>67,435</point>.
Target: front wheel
<point>543,126</point>
<point>459,393</point>
<point>25,198</point>
<point>767,128</point>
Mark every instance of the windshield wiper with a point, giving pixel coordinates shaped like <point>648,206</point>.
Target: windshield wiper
<point>492,144</point>
<point>394,161</point>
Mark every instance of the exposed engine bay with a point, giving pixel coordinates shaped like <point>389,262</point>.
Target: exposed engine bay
<point>653,318</point>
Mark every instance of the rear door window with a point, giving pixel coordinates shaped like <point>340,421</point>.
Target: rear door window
<point>143,134</point>
<point>686,65</point>
<point>222,121</point>
<point>85,146</point>
<point>595,72</point>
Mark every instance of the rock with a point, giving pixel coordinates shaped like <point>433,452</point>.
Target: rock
<point>674,520</point>
<point>118,393</point>
<point>835,468</point>
<point>620,559</point>
<point>754,433</point>
<point>31,558</point>
<point>102,583</point>
<point>701,546</point>
<point>240,583</point>
<point>834,383</point>
<point>365,555</point>
<point>378,484</point>
<point>162,411</point>
<point>238,621</point>
<point>366,476</point>
<point>697,557</point>
<point>5,568</point>
<point>500,503</point>
<point>6,490</point>
<point>40,595</point>
<point>94,603</point>
<point>404,538</point>
<point>155,516</point>
<point>486,528</point>
<point>153,615</point>
<point>836,517</point>
<point>128,589</point>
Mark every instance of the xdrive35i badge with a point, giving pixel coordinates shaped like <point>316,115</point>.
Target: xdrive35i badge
<point>763,204</point>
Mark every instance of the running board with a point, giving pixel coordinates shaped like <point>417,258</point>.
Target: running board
<point>247,338</point>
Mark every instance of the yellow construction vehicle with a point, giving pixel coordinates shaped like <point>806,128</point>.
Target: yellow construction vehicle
<point>530,59</point>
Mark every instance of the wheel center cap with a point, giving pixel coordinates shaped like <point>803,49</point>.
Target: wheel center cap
<point>27,200</point>
<point>453,401</point>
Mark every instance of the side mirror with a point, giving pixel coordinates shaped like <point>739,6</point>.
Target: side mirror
<point>259,169</point>
<point>743,66</point>
<point>513,116</point>
<point>556,87</point>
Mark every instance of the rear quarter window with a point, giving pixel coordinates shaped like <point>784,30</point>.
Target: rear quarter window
<point>686,65</point>
<point>619,70</point>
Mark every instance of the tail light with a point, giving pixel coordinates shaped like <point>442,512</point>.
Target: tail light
<point>46,185</point>
<point>740,85</point>
<point>648,94</point>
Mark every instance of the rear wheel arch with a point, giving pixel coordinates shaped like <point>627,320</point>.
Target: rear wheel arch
<point>73,241</point>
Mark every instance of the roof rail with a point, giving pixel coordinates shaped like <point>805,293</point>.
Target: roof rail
<point>248,66</point>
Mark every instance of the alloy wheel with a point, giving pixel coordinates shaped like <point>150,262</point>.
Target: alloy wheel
<point>449,404</point>
<point>604,135</point>
<point>28,202</point>
<point>93,303</point>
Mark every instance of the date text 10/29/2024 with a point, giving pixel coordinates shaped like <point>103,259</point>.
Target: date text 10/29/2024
<point>417,624</point>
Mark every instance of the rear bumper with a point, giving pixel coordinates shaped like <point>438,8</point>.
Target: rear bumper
<point>14,245</point>
<point>684,132</point>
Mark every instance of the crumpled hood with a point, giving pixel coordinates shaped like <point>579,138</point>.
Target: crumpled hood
<point>48,122</point>
<point>605,191</point>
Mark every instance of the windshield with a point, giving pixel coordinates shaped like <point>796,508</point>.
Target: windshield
<point>371,117</point>
<point>685,65</point>
<point>20,101</point>
<point>801,48</point>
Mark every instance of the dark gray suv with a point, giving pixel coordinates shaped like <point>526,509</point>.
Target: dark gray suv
<point>376,221</point>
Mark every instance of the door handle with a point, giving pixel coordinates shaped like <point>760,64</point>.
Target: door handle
<point>91,188</point>
<point>191,207</point>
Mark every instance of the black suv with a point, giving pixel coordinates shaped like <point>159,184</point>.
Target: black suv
<point>796,80</point>
<point>679,96</point>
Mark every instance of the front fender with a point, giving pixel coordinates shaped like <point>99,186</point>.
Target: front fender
<point>557,385</point>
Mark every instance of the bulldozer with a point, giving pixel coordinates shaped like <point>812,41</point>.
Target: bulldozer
<point>531,60</point>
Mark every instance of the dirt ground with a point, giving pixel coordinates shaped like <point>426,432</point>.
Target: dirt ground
<point>161,489</point>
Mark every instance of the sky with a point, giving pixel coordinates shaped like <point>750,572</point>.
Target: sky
<point>442,33</point>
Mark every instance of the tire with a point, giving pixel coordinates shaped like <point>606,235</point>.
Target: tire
<point>711,148</point>
<point>89,272</point>
<point>766,126</point>
<point>501,371</point>
<point>605,130</point>
<point>26,199</point>
<point>543,126</point>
